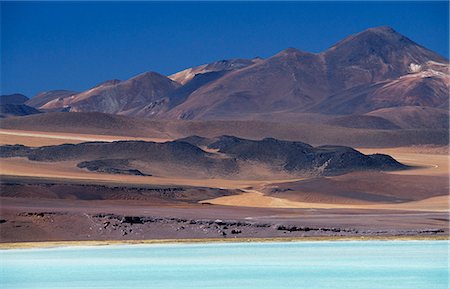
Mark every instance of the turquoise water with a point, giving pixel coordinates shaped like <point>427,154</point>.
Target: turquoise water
<point>347,265</point>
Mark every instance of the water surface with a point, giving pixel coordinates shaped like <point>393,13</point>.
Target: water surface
<point>347,265</point>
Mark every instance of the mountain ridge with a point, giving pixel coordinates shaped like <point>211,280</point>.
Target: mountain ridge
<point>375,69</point>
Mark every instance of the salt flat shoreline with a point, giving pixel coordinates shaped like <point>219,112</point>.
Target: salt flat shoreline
<point>59,244</point>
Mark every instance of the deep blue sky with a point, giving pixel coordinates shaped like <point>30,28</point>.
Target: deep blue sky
<point>75,45</point>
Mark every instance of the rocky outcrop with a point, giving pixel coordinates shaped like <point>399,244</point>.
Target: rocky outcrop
<point>232,154</point>
<point>298,156</point>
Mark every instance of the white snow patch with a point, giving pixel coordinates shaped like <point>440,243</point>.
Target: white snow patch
<point>413,67</point>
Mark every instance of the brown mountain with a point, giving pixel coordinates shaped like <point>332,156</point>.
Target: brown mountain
<point>425,85</point>
<point>44,97</point>
<point>375,69</point>
<point>142,95</point>
<point>290,78</point>
<point>187,75</point>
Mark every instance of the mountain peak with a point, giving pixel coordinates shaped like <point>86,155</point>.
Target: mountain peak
<point>375,38</point>
<point>384,29</point>
<point>386,33</point>
<point>291,51</point>
<point>148,74</point>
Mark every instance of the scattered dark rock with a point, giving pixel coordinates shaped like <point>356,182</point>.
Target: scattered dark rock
<point>111,167</point>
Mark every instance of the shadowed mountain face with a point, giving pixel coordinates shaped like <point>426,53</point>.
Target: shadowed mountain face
<point>14,105</point>
<point>232,157</point>
<point>7,110</point>
<point>372,70</point>
<point>15,98</point>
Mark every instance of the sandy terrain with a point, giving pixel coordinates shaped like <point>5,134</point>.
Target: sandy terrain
<point>433,160</point>
<point>420,210</point>
<point>253,198</point>
<point>37,138</point>
<point>431,164</point>
<point>67,170</point>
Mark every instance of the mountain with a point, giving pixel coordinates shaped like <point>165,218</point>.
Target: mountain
<point>44,97</point>
<point>187,75</point>
<point>425,85</point>
<point>375,69</point>
<point>142,95</point>
<point>15,98</point>
<point>374,55</point>
<point>14,105</point>
<point>288,79</point>
<point>8,110</point>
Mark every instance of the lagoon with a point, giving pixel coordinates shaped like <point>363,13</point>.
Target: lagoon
<point>325,264</point>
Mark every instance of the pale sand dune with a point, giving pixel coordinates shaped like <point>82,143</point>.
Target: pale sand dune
<point>36,138</point>
<point>253,198</point>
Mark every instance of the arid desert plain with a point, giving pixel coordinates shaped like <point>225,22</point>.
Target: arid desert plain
<point>57,201</point>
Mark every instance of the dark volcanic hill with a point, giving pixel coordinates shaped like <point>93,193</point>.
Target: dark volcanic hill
<point>15,98</point>
<point>128,155</point>
<point>295,156</point>
<point>7,110</point>
<point>14,105</point>
<point>233,155</point>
